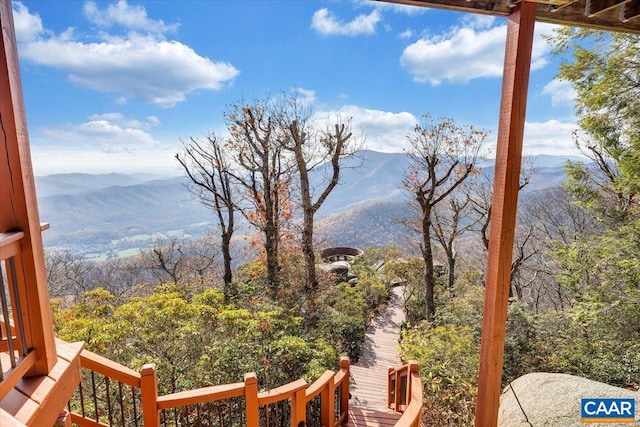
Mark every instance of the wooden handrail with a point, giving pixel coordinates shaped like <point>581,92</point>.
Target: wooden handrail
<point>10,244</point>
<point>14,375</point>
<point>297,392</point>
<point>281,393</point>
<point>318,385</point>
<point>109,368</point>
<point>200,395</point>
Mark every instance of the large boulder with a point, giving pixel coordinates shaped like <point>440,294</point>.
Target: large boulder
<point>554,400</point>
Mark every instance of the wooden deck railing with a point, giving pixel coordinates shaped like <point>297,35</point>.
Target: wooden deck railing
<point>16,356</point>
<point>404,394</point>
<point>113,395</point>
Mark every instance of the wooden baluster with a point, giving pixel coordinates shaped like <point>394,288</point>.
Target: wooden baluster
<point>391,388</point>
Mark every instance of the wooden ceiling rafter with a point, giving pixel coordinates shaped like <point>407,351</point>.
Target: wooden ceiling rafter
<point>608,15</point>
<point>595,7</point>
<point>630,11</point>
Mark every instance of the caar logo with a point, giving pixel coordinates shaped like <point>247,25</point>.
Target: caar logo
<point>608,410</point>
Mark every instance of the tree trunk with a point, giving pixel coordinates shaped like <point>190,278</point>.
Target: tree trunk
<point>427,255</point>
<point>311,281</point>
<point>452,269</point>
<point>271,249</point>
<point>226,256</point>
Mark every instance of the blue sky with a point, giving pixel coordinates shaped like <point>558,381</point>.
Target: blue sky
<point>113,86</point>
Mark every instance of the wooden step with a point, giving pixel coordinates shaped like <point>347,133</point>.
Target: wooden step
<point>39,401</point>
<point>365,417</point>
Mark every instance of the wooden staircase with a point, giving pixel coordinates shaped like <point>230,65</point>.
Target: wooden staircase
<point>40,400</point>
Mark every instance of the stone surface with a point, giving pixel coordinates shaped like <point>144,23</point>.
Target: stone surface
<point>554,400</point>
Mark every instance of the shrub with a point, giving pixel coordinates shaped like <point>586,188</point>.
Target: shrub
<point>448,357</point>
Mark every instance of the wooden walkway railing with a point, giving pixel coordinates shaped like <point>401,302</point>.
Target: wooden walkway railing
<point>111,394</point>
<point>17,357</point>
<point>404,394</point>
<point>114,395</point>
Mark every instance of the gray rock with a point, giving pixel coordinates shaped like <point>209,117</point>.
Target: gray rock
<point>554,400</point>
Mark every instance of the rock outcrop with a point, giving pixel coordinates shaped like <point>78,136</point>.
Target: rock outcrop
<point>554,400</point>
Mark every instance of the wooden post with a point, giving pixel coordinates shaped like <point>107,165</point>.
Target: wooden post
<point>149,391</point>
<point>412,368</point>
<point>251,399</point>
<point>344,390</point>
<point>299,408</point>
<point>328,404</point>
<point>19,208</point>
<point>517,63</point>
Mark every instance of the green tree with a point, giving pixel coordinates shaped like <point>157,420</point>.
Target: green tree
<point>604,69</point>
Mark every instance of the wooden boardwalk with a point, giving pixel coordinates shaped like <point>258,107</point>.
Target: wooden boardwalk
<point>368,403</point>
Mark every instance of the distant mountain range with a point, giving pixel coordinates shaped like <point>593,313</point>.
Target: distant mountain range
<point>114,214</point>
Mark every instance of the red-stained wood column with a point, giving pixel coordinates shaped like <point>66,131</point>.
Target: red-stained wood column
<point>18,204</point>
<point>517,63</point>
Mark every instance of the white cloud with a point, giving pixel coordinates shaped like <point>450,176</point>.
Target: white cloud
<point>472,51</point>
<point>477,21</point>
<point>129,17</point>
<point>27,26</point>
<point>305,96</point>
<point>106,142</point>
<point>394,7</point>
<point>121,120</point>
<point>107,132</point>
<point>384,131</point>
<point>550,137</point>
<point>325,22</point>
<point>561,92</point>
<point>64,160</point>
<point>142,66</point>
<point>406,34</point>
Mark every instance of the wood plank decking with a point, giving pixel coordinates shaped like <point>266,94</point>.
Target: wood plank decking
<point>368,403</point>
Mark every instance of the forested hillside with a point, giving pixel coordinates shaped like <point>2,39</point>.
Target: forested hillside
<point>109,215</point>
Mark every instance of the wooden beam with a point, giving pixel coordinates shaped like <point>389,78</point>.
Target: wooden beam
<point>572,13</point>
<point>595,7</point>
<point>517,63</point>
<point>630,11</point>
<point>18,204</point>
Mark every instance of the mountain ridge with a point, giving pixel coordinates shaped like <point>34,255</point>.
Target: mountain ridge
<point>95,215</point>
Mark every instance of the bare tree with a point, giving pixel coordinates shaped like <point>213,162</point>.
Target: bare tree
<point>480,192</point>
<point>165,261</point>
<point>443,155</point>
<point>207,165</point>
<point>264,174</point>
<point>450,221</point>
<point>313,147</point>
<point>177,260</point>
<point>66,273</point>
